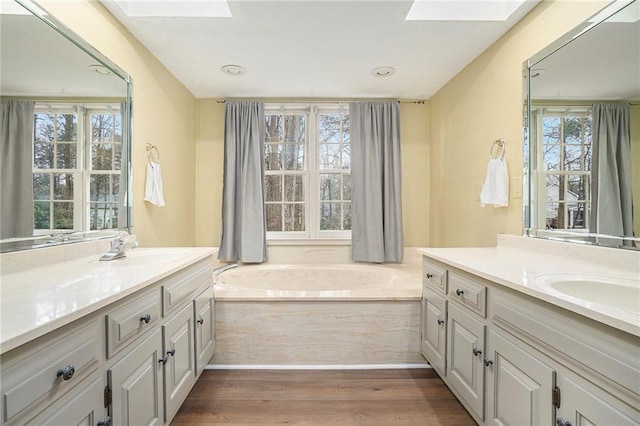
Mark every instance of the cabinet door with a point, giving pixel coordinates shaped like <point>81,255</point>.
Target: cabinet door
<point>86,407</point>
<point>434,329</point>
<point>465,349</point>
<point>205,328</point>
<point>136,384</point>
<point>179,370</point>
<point>518,385</point>
<point>583,404</point>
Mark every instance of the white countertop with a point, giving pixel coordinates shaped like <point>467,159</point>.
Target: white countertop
<point>520,264</point>
<point>41,299</point>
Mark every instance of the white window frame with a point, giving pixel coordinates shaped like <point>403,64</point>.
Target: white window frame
<point>311,175</point>
<point>82,172</point>
<point>538,112</point>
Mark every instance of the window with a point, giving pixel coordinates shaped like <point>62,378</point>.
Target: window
<point>77,151</point>
<point>307,172</point>
<point>563,135</point>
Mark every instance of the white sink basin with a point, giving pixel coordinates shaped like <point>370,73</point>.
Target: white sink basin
<point>619,293</point>
<point>136,257</point>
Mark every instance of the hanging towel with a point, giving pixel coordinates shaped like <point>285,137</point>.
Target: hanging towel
<point>153,191</point>
<point>496,184</point>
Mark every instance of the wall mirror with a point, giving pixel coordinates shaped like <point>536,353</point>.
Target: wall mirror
<point>65,141</point>
<point>582,133</point>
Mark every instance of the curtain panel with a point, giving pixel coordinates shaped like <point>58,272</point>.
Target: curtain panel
<point>376,182</point>
<point>243,236</point>
<point>16,158</point>
<point>611,193</point>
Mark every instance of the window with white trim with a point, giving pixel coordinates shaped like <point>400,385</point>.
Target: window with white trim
<point>307,171</point>
<point>563,137</point>
<point>77,156</point>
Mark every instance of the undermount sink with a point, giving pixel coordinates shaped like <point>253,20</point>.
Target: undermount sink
<point>143,256</point>
<point>620,293</point>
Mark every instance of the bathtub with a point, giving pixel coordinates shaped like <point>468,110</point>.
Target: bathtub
<point>321,314</point>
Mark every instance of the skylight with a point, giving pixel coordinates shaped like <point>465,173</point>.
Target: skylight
<point>175,8</point>
<point>463,10</point>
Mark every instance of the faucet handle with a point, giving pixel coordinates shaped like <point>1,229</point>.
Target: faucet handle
<point>119,240</point>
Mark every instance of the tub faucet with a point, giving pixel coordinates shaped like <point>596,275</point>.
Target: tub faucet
<point>119,246</point>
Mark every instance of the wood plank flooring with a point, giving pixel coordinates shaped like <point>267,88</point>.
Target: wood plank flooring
<point>321,397</point>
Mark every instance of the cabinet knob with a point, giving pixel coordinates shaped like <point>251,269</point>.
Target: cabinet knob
<point>476,352</point>
<point>105,422</point>
<point>487,362</point>
<point>66,372</point>
<point>200,321</point>
<point>459,292</point>
<point>171,352</point>
<point>440,321</point>
<point>163,360</point>
<point>562,422</point>
<point>146,318</point>
<point>429,275</point>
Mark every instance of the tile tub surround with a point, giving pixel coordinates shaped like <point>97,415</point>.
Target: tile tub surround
<point>41,299</point>
<point>303,317</point>
<point>518,263</point>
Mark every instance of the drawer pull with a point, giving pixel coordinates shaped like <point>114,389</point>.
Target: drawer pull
<point>487,362</point>
<point>459,292</point>
<point>66,372</point>
<point>562,422</point>
<point>200,321</point>
<point>476,352</point>
<point>163,360</point>
<point>146,318</point>
<point>440,321</point>
<point>429,275</point>
<point>105,422</point>
<point>171,352</point>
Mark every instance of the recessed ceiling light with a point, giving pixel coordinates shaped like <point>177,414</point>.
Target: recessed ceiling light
<point>175,8</point>
<point>478,10</point>
<point>383,71</point>
<point>233,69</point>
<point>100,69</point>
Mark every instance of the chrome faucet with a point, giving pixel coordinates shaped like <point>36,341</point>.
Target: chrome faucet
<point>119,246</point>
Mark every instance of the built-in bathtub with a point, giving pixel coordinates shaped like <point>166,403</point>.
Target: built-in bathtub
<point>319,314</point>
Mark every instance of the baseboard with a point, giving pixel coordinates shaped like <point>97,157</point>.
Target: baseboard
<point>316,366</point>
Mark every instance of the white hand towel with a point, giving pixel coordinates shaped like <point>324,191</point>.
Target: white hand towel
<point>496,184</point>
<point>153,191</point>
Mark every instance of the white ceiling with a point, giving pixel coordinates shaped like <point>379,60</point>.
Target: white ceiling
<point>306,48</point>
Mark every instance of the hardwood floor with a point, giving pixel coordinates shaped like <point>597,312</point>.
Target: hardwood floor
<point>321,397</point>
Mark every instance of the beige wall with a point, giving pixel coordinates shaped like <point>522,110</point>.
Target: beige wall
<point>164,114</point>
<point>415,175</point>
<point>480,104</point>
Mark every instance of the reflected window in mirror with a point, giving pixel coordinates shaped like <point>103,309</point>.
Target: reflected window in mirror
<point>563,134</point>
<point>77,165</point>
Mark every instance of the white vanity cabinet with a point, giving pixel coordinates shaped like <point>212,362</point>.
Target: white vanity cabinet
<point>513,359</point>
<point>434,329</point>
<point>128,362</point>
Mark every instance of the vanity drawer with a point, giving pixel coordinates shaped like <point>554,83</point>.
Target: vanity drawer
<point>127,322</point>
<point>180,286</point>
<point>468,292</point>
<point>434,276</point>
<point>55,366</point>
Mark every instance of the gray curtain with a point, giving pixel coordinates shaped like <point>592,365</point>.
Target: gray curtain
<point>243,216</point>
<point>16,153</point>
<point>376,187</point>
<point>611,196</point>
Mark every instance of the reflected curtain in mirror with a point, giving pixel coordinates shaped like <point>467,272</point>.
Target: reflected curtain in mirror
<point>612,197</point>
<point>17,162</point>
<point>244,235</point>
<point>376,187</point>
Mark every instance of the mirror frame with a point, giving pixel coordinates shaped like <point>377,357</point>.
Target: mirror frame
<point>85,235</point>
<point>530,227</point>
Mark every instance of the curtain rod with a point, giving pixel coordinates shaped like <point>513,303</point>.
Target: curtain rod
<point>400,101</point>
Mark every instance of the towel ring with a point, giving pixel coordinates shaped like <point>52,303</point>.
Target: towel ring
<point>502,149</point>
<point>150,151</point>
